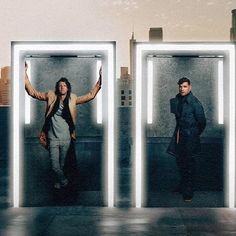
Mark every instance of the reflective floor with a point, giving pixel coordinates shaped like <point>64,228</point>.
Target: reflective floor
<point>66,221</point>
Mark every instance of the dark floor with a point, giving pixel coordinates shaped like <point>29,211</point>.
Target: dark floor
<point>162,217</point>
<point>166,215</point>
<point>201,199</point>
<point>68,221</point>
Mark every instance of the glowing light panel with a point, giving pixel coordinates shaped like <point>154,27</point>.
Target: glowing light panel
<point>150,92</point>
<point>138,131</point>
<point>16,133</point>
<point>220,93</point>
<point>99,96</point>
<point>27,98</point>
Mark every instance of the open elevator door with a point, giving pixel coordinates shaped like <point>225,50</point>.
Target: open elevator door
<point>92,172</point>
<point>158,69</point>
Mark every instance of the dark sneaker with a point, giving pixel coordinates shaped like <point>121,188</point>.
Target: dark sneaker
<point>187,198</point>
<point>188,194</point>
<point>64,183</point>
<point>57,185</point>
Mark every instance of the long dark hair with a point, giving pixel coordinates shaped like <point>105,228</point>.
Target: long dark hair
<point>65,80</point>
<point>66,112</point>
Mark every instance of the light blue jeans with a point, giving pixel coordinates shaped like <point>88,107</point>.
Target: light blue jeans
<point>58,151</point>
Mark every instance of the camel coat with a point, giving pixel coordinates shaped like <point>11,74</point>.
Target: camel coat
<point>50,97</point>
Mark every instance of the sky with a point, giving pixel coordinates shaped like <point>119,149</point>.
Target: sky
<point>79,20</point>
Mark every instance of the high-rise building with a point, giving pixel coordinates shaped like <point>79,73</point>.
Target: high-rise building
<point>155,34</point>
<point>125,88</point>
<point>233,28</point>
<point>125,82</point>
<point>5,86</point>
<point>132,41</point>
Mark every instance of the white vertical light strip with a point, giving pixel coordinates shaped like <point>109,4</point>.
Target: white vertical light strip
<point>27,97</point>
<point>220,93</point>
<point>99,96</point>
<point>57,47</point>
<point>16,130</point>
<point>111,110</point>
<point>150,92</point>
<point>231,167</point>
<point>231,145</point>
<point>138,135</point>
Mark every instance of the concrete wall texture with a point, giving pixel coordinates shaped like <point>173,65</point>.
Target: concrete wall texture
<point>161,167</point>
<point>81,73</point>
<point>202,73</point>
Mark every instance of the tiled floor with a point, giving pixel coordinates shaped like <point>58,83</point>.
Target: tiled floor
<point>71,221</point>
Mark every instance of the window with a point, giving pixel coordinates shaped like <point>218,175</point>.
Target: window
<point>122,97</point>
<point>122,92</point>
<point>130,91</point>
<point>130,97</point>
<point>130,103</point>
<point>122,103</point>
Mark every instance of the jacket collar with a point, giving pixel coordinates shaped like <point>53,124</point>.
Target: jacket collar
<point>187,98</point>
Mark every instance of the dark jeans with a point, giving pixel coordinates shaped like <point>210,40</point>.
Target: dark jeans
<point>186,166</point>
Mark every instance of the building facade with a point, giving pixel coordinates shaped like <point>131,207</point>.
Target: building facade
<point>125,96</point>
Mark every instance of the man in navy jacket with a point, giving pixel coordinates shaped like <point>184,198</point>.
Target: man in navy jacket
<point>185,143</point>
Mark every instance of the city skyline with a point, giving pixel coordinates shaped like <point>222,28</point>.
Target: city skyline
<point>112,21</point>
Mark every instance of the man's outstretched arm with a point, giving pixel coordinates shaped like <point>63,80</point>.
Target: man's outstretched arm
<point>32,91</point>
<point>93,92</point>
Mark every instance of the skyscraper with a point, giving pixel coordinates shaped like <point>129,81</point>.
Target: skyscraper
<point>5,86</point>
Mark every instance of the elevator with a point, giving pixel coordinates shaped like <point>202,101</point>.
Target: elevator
<point>92,171</point>
<point>211,70</point>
